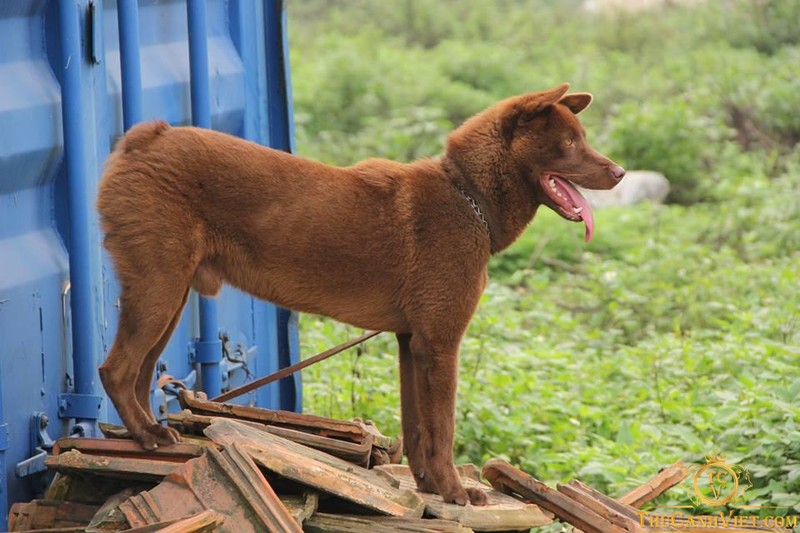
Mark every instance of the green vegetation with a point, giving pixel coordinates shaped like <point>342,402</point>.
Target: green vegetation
<point>676,332</point>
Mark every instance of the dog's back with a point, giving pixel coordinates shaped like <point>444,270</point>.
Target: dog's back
<point>308,236</point>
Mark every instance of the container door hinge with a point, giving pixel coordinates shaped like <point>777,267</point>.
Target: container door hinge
<point>41,443</point>
<point>95,34</point>
<point>80,406</point>
<point>205,352</point>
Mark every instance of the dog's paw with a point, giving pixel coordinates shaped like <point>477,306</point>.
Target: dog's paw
<point>462,496</point>
<point>156,435</point>
<point>424,484</point>
<point>457,496</point>
<point>173,433</point>
<point>477,496</point>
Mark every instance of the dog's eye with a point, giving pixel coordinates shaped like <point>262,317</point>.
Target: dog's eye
<point>569,141</point>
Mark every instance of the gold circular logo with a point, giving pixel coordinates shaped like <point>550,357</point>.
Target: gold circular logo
<point>719,476</point>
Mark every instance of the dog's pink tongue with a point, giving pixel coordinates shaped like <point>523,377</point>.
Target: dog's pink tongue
<point>579,201</point>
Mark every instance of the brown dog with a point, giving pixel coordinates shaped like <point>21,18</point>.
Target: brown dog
<point>380,245</point>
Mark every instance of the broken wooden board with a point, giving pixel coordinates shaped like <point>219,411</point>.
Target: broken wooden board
<point>590,498</point>
<point>334,523</point>
<point>174,453</point>
<point>317,469</point>
<point>75,462</point>
<point>326,427</point>
<point>49,514</point>
<point>301,506</point>
<point>661,483</point>
<point>358,453</point>
<point>508,479</point>
<point>90,489</point>
<point>361,433</point>
<point>109,517</point>
<point>207,521</point>
<point>643,521</point>
<point>502,512</point>
<point>227,482</point>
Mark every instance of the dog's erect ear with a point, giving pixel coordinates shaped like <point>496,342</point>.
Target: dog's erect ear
<point>524,109</point>
<point>576,102</point>
<point>536,102</point>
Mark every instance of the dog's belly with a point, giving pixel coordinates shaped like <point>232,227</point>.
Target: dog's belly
<point>347,295</point>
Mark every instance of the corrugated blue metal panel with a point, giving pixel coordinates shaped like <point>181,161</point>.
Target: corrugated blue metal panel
<point>248,97</point>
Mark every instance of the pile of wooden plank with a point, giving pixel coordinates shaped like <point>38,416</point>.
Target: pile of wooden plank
<point>244,469</point>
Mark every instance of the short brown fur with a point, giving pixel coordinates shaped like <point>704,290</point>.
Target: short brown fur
<point>380,245</point>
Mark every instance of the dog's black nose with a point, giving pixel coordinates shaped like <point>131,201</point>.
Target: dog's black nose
<point>617,171</point>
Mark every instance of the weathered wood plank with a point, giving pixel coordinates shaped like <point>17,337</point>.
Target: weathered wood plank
<point>655,487</point>
<point>175,453</point>
<point>358,453</point>
<point>506,478</point>
<point>332,523</point>
<point>502,512</point>
<point>206,521</point>
<point>609,502</point>
<point>326,427</point>
<point>599,506</point>
<point>49,514</point>
<point>117,467</point>
<point>301,506</point>
<point>317,469</point>
<point>227,482</point>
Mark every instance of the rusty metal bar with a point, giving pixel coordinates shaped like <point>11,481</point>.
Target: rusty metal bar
<point>289,370</point>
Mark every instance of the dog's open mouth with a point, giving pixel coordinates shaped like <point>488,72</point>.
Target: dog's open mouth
<point>567,201</point>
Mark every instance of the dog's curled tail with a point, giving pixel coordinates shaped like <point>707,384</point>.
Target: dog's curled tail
<point>141,135</point>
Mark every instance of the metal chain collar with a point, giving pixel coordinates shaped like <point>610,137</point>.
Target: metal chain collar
<point>475,207</point>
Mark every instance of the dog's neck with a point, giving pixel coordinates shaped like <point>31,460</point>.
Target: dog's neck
<point>507,212</point>
<point>475,207</point>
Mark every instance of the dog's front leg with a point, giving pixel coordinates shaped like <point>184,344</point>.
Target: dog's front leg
<point>435,369</point>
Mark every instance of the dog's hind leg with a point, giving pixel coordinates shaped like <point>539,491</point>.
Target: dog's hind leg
<point>412,433</point>
<point>149,303</point>
<point>145,378</point>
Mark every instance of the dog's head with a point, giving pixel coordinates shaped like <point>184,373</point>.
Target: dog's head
<point>540,141</point>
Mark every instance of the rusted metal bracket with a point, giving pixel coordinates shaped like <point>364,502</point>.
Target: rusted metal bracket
<point>41,444</point>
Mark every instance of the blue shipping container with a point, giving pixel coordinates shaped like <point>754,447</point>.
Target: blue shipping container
<point>73,75</point>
